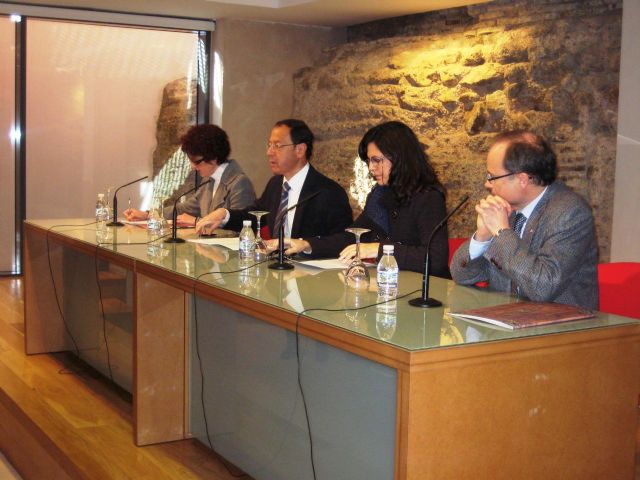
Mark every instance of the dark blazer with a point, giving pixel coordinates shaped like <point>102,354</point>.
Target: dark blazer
<point>410,226</point>
<point>556,259</point>
<point>326,213</point>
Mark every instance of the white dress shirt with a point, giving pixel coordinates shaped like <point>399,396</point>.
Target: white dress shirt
<point>296,182</point>
<point>217,177</point>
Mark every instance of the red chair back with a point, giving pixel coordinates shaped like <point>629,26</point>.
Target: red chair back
<point>454,244</point>
<point>619,285</point>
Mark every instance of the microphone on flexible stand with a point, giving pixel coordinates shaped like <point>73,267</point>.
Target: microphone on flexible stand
<point>115,222</point>
<point>174,215</point>
<point>281,263</point>
<point>424,301</point>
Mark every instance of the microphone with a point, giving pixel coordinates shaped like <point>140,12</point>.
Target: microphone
<point>281,264</point>
<point>424,301</point>
<point>174,215</point>
<point>115,222</point>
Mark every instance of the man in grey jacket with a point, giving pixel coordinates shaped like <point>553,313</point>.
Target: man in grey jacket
<point>535,237</point>
<point>208,149</point>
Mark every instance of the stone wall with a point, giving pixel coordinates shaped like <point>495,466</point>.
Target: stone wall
<point>459,76</point>
<point>176,115</point>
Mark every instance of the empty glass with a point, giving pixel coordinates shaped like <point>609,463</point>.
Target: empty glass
<point>260,247</point>
<point>155,221</point>
<point>109,190</point>
<point>357,274</point>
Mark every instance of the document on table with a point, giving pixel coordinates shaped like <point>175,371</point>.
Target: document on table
<point>328,264</point>
<point>231,243</point>
<point>140,223</point>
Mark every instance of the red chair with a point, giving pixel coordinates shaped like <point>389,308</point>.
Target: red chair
<point>454,244</point>
<point>619,285</point>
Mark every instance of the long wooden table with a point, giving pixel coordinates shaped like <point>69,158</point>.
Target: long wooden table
<point>389,391</point>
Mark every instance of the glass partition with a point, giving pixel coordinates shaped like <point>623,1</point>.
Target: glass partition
<point>7,153</point>
<point>105,105</point>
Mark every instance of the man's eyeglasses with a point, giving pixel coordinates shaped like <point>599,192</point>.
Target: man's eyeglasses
<point>278,146</point>
<point>491,178</point>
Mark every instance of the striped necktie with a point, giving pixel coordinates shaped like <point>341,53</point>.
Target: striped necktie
<point>282,210</point>
<point>518,223</point>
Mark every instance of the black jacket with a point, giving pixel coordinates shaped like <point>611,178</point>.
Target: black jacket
<point>326,213</point>
<point>410,226</point>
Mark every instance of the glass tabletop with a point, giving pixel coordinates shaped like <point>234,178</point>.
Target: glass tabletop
<point>322,294</point>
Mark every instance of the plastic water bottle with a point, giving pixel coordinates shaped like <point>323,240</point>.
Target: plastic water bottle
<point>387,273</point>
<point>102,211</point>
<point>247,240</point>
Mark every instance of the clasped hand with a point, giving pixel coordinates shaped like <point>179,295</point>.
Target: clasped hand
<point>493,215</point>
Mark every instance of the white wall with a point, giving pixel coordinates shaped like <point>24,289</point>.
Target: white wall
<point>259,60</point>
<point>625,238</point>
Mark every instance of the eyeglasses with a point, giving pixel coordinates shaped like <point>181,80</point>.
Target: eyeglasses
<point>278,146</point>
<point>491,178</point>
<point>376,160</point>
<point>196,162</point>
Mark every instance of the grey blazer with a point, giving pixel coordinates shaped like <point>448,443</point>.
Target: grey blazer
<point>235,191</point>
<point>555,261</point>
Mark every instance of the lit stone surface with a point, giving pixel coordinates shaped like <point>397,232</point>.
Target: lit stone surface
<point>460,76</point>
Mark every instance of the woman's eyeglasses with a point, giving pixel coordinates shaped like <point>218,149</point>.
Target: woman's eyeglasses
<point>376,160</point>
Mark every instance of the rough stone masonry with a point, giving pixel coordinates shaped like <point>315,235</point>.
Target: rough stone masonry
<point>460,76</point>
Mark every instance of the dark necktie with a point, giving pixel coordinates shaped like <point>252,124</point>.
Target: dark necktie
<point>518,223</point>
<point>282,209</point>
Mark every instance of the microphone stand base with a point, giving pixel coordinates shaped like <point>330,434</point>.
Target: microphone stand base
<point>281,266</point>
<point>425,303</point>
<point>115,224</point>
<point>174,240</point>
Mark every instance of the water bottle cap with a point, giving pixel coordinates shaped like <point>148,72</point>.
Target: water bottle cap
<point>387,248</point>
<point>246,223</point>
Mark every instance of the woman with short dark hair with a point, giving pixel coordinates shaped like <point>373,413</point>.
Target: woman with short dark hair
<point>207,148</point>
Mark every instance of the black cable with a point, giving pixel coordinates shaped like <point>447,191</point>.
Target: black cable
<point>197,342</point>
<point>55,289</point>
<point>234,271</point>
<point>202,402</point>
<point>104,317</point>
<point>304,401</point>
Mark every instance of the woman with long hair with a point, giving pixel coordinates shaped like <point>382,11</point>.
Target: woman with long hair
<point>402,209</point>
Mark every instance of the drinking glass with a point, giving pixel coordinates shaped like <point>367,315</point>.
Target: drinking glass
<point>357,275</point>
<point>154,220</point>
<point>260,247</point>
<point>109,190</point>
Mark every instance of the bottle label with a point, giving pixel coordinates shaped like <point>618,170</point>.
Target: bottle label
<point>388,277</point>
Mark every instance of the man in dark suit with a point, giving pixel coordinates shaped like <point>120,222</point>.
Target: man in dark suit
<point>535,237</point>
<point>324,206</point>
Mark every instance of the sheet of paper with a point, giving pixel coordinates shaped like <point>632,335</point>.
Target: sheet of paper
<point>141,223</point>
<point>328,264</point>
<point>230,243</point>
